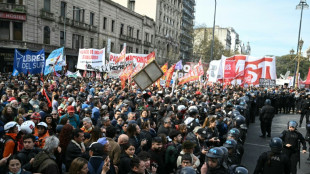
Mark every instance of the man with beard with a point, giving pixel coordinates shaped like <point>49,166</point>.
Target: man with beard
<point>157,155</point>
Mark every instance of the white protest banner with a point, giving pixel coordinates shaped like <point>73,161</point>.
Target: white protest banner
<point>91,59</point>
<point>116,68</point>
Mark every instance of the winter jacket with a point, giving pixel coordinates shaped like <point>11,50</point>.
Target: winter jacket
<point>45,163</point>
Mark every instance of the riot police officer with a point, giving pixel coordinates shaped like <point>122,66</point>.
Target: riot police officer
<point>266,116</point>
<point>291,140</point>
<point>214,159</point>
<point>305,109</point>
<point>274,161</point>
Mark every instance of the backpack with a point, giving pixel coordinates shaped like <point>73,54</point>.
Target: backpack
<point>3,140</point>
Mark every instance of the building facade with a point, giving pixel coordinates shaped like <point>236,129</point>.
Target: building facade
<point>167,15</point>
<point>76,24</point>
<point>187,26</point>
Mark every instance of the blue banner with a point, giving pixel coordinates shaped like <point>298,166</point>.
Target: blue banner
<point>55,61</point>
<point>32,62</point>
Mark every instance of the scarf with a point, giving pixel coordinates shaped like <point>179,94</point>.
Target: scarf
<point>81,146</point>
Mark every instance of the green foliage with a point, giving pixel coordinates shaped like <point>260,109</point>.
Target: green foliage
<point>287,63</point>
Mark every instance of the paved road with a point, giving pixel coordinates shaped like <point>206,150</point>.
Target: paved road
<point>255,145</point>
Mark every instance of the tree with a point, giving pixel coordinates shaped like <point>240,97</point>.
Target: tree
<point>287,63</point>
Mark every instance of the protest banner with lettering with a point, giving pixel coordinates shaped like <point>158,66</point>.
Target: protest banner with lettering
<point>248,69</point>
<point>91,59</point>
<point>55,61</point>
<point>230,69</point>
<point>115,69</point>
<point>193,75</point>
<point>29,62</point>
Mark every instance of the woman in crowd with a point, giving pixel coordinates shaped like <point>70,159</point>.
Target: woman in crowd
<point>14,166</point>
<point>128,152</point>
<point>79,166</point>
<point>51,124</point>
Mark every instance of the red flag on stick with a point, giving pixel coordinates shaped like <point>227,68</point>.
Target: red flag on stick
<point>47,98</point>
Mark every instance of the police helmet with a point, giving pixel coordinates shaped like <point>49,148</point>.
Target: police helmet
<point>230,144</point>
<point>239,119</point>
<point>244,127</point>
<point>193,111</point>
<point>150,101</point>
<point>241,170</point>
<point>268,102</point>
<point>216,153</point>
<point>225,150</point>
<point>181,108</point>
<point>308,126</point>
<point>242,103</point>
<point>292,124</point>
<point>234,132</point>
<point>188,170</point>
<point>276,144</point>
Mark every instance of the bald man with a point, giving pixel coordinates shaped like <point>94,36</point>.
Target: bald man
<point>123,139</point>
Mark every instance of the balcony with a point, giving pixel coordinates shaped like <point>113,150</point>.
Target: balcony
<point>148,44</point>
<point>61,20</point>
<point>138,41</point>
<point>129,39</point>
<point>46,15</point>
<point>13,8</point>
<point>80,25</point>
<point>34,46</point>
<point>93,28</point>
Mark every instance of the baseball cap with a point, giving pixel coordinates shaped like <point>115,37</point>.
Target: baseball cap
<point>102,141</point>
<point>97,149</point>
<point>11,99</point>
<point>202,132</point>
<point>70,109</point>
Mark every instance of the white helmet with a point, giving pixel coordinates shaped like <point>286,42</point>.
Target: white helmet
<point>181,108</point>
<point>9,125</point>
<point>27,127</point>
<point>42,124</point>
<point>193,107</point>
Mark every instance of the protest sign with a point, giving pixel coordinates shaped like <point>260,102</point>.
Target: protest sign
<point>32,62</point>
<point>91,59</point>
<point>55,61</point>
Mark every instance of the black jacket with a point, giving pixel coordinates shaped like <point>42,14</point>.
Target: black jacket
<point>72,152</point>
<point>26,155</point>
<point>220,170</point>
<point>124,165</point>
<point>267,113</point>
<point>272,163</point>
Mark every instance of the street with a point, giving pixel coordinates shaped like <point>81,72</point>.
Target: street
<point>255,145</point>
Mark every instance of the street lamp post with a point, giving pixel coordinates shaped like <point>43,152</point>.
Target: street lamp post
<point>213,31</point>
<point>300,43</point>
<point>302,5</point>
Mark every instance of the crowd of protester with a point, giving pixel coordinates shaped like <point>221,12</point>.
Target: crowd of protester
<point>94,126</point>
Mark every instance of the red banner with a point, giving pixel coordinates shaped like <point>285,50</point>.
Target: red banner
<point>169,74</point>
<point>14,16</point>
<point>230,69</point>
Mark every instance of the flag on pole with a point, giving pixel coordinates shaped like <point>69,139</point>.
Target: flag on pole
<point>126,74</point>
<point>169,74</point>
<point>47,98</point>
<point>122,55</point>
<point>179,65</point>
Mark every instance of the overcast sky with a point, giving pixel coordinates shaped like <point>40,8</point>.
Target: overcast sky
<point>271,26</point>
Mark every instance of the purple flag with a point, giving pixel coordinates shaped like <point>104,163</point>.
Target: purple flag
<point>179,65</point>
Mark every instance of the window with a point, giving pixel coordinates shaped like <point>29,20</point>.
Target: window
<point>146,52</point>
<point>11,1</point>
<point>17,31</point>
<point>130,31</point>
<point>112,46</point>
<point>91,43</point>
<point>121,47</point>
<point>4,30</point>
<point>129,49</point>
<point>104,44</point>
<point>78,14</point>
<point>146,37</point>
<point>77,41</point>
<point>151,38</point>
<point>112,26</point>
<point>63,9</point>
<point>138,32</point>
<point>122,29</point>
<point>47,5</point>
<point>137,50</point>
<point>104,23</point>
<point>47,33</point>
<point>62,38</point>
<point>92,17</point>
